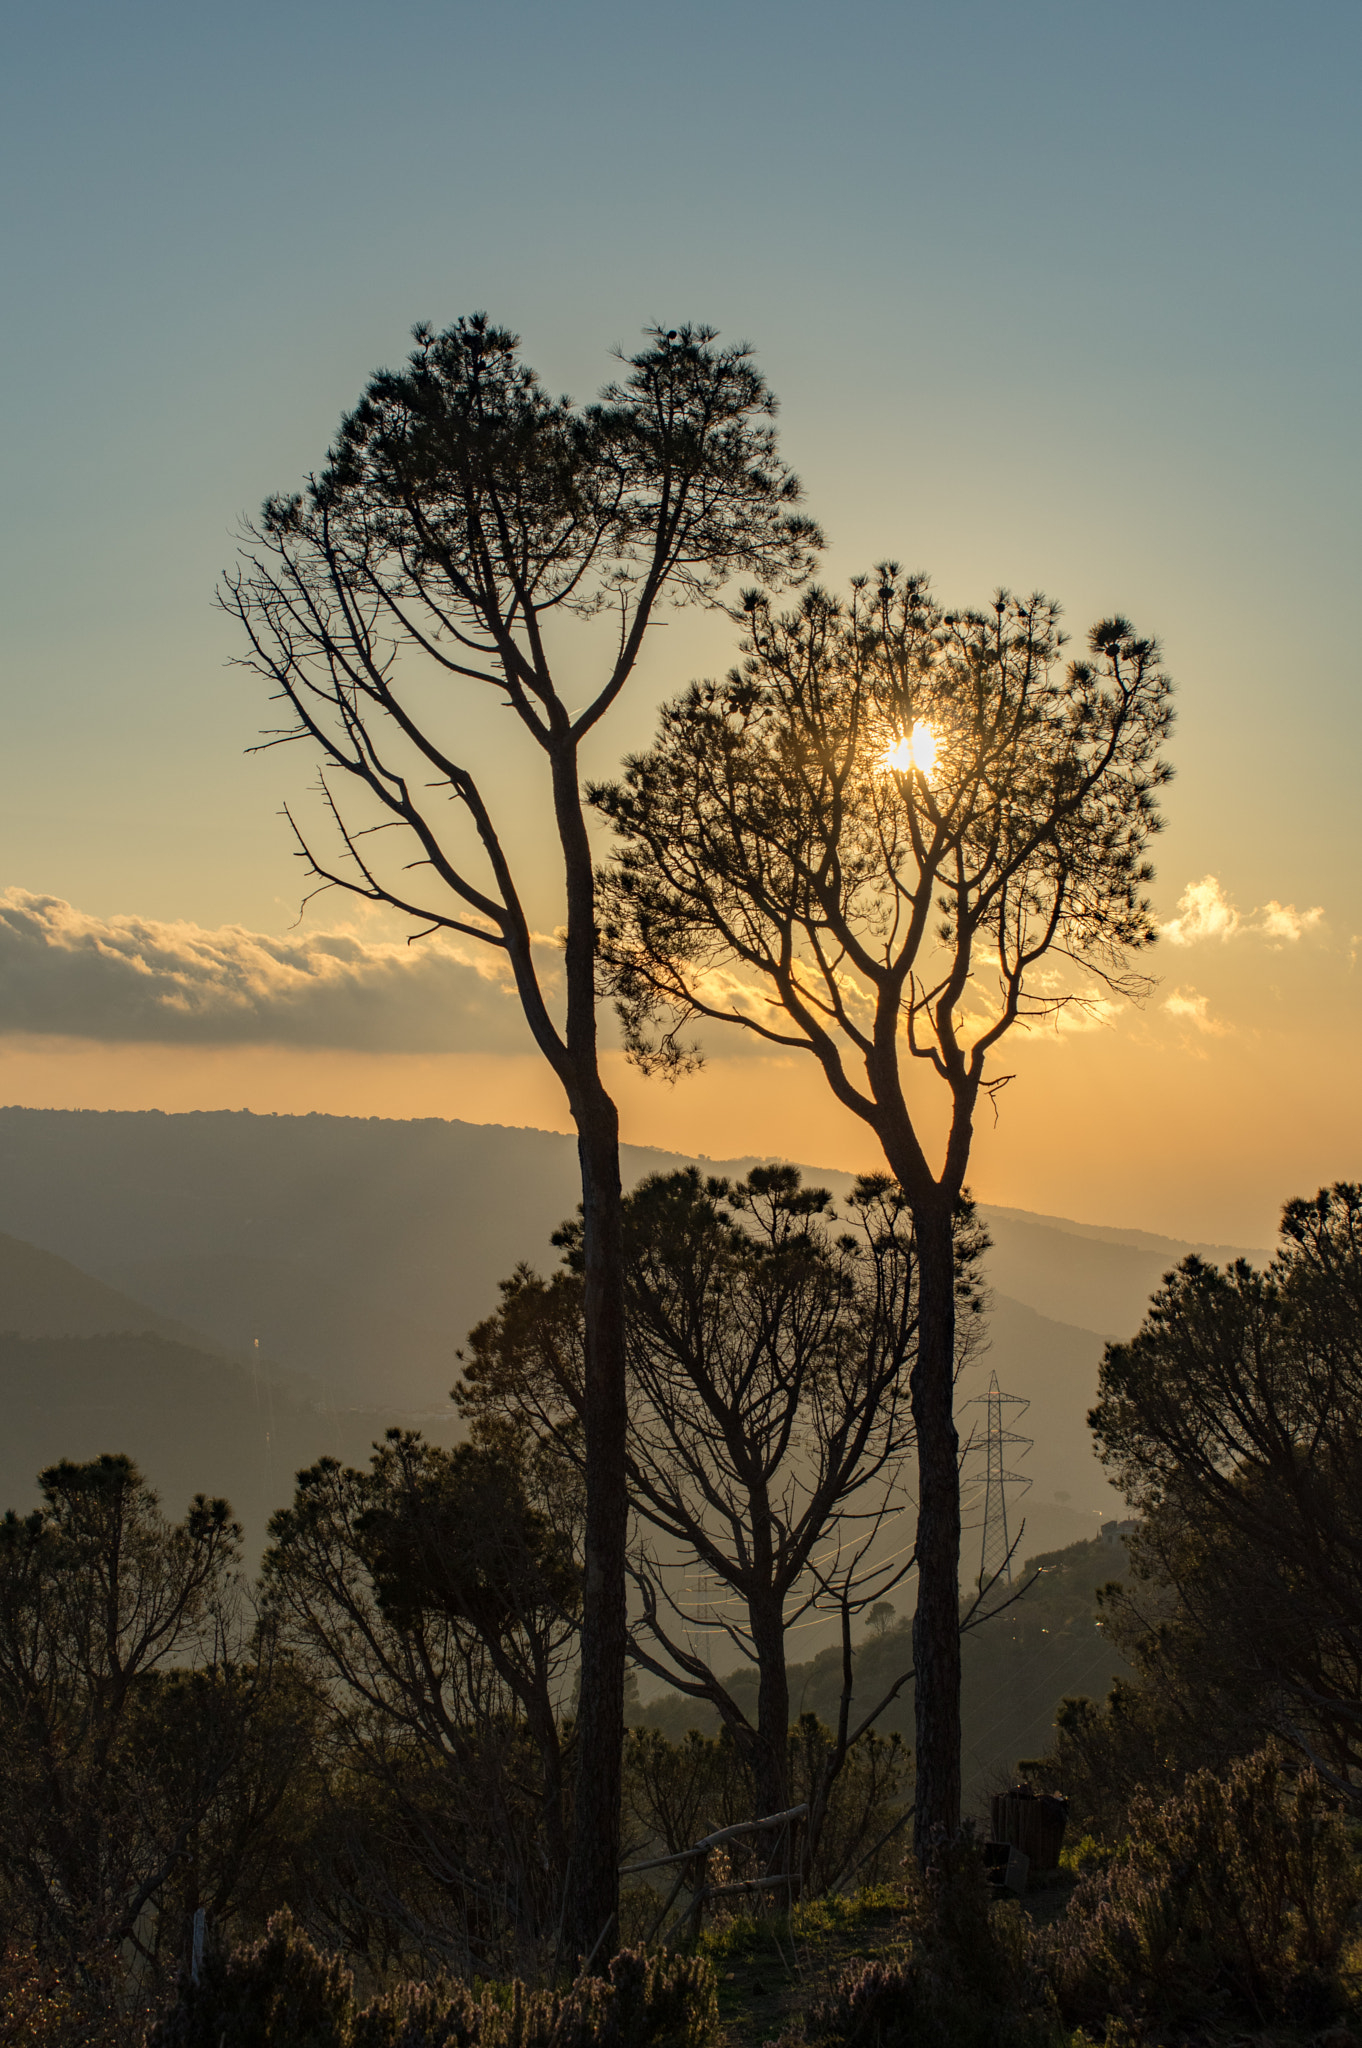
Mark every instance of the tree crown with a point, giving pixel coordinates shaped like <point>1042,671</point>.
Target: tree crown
<point>770,1346</point>
<point>888,816</point>
<point>461,512</point>
<point>1233,1420</point>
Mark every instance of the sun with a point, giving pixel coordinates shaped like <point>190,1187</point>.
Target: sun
<point>915,749</point>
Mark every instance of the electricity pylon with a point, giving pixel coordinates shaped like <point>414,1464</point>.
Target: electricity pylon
<point>995,1545</point>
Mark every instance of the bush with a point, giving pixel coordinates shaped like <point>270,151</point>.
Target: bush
<point>677,1792</point>
<point>670,2001</point>
<point>442,2015</point>
<point>278,1992</point>
<point>645,2002</point>
<point>1235,1894</point>
<point>37,2010</point>
<point>88,2003</point>
<point>281,1993</point>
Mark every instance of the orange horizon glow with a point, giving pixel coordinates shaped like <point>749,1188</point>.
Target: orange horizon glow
<point>1171,1151</point>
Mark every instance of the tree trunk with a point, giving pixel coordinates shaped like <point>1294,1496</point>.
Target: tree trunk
<point>594,1888</point>
<point>544,1729</point>
<point>936,1624</point>
<point>593,1902</point>
<point>771,1775</point>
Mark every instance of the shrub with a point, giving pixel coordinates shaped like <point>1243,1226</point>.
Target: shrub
<point>278,1992</point>
<point>646,2001</point>
<point>36,2010</point>
<point>670,2001</point>
<point>1235,1893</point>
<point>441,2015</point>
<point>88,2003</point>
<point>1087,1854</point>
<point>675,1792</point>
<point>912,2002</point>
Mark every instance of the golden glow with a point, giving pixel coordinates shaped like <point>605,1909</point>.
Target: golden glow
<point>1224,1182</point>
<point>916,749</point>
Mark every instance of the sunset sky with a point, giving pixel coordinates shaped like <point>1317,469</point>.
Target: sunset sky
<point>1058,296</point>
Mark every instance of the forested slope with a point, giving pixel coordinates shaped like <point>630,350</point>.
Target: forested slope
<point>1016,1668</point>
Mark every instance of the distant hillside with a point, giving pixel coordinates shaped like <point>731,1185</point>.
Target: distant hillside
<point>416,1221</point>
<point>1077,1273</point>
<point>360,1252</point>
<point>344,1335</point>
<point>42,1295</point>
<point>1016,1670</point>
<point>194,1423</point>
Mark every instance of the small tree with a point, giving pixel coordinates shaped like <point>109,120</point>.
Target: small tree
<point>436,1594</point>
<point>464,514</point>
<point>890,836</point>
<point>769,1423</point>
<point>1233,1422</point>
<point>101,1598</point>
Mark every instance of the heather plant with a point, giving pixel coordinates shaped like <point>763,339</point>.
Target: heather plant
<point>280,1992</point>
<point>644,2001</point>
<point>445,2014</point>
<point>1232,1897</point>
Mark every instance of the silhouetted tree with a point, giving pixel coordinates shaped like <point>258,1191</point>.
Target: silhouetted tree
<point>888,837</point>
<point>462,514</point>
<point>678,1792</point>
<point>249,1733</point>
<point>769,1424</point>
<point>129,1703</point>
<point>1233,1422</point>
<point>438,1592</point>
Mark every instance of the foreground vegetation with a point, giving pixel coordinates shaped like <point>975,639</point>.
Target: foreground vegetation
<point>336,1808</point>
<point>1230,1914</point>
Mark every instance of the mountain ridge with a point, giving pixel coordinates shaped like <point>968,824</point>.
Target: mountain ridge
<point>360,1251</point>
<point>44,1295</point>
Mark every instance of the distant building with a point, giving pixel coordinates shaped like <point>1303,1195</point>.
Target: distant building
<point>1115,1533</point>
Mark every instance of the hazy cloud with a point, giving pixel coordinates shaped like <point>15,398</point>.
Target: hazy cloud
<point>1194,1009</point>
<point>129,978</point>
<point>1206,912</point>
<point>1283,920</point>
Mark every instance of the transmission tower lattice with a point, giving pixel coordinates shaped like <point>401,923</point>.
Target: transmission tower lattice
<point>996,1540</point>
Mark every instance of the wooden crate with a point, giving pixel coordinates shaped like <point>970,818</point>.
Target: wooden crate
<point>1032,1822</point>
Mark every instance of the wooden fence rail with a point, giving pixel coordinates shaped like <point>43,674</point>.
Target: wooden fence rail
<point>694,1864</point>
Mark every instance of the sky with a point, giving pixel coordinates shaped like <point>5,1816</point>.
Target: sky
<point>1062,296</point>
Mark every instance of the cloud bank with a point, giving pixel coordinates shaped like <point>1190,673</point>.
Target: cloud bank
<point>1206,912</point>
<point>131,979</point>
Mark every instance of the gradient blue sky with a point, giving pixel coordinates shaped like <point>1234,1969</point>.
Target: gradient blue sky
<point>1056,295</point>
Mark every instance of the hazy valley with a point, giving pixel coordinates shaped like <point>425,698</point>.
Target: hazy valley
<point>226,1297</point>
